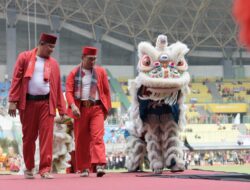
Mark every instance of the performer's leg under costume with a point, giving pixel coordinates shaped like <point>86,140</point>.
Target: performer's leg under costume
<point>136,149</point>
<point>171,147</point>
<point>154,144</point>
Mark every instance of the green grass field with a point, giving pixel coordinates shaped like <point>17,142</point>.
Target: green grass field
<point>226,168</point>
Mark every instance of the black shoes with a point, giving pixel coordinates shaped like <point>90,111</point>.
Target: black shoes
<point>100,171</point>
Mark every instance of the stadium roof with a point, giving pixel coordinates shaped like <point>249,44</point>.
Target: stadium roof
<point>205,25</point>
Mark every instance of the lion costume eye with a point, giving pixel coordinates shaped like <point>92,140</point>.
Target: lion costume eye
<point>182,66</point>
<point>180,63</point>
<point>146,60</point>
<point>145,64</point>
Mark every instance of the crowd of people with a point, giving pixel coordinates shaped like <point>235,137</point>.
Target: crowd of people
<point>115,160</point>
<point>232,94</point>
<point>195,117</point>
<point>219,157</point>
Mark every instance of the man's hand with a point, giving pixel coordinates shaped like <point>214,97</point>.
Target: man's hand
<point>75,110</point>
<point>12,109</point>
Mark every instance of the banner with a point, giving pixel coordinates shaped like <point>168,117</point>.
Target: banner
<point>228,108</point>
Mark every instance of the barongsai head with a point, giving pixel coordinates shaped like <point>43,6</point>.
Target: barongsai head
<point>162,69</point>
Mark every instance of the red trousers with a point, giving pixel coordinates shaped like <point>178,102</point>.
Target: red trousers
<point>36,121</point>
<point>89,132</point>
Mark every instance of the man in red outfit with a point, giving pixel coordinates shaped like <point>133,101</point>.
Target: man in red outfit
<point>88,97</point>
<point>36,92</point>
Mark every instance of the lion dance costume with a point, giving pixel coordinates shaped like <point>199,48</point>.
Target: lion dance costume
<point>157,109</point>
<point>63,145</point>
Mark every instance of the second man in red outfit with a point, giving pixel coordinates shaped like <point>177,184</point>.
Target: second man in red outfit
<point>88,96</point>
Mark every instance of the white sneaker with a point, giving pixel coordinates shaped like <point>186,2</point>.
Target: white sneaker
<point>47,175</point>
<point>28,174</point>
<point>85,173</point>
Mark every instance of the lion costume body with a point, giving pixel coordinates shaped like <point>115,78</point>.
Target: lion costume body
<point>157,109</point>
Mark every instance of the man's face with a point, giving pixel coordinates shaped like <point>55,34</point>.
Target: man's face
<point>88,61</point>
<point>46,49</point>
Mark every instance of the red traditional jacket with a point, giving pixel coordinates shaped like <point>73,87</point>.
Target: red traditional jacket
<point>23,72</point>
<point>102,86</point>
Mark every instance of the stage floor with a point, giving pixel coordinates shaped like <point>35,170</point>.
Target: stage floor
<point>186,180</point>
